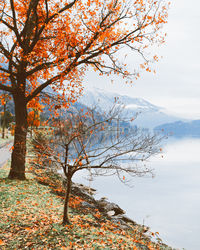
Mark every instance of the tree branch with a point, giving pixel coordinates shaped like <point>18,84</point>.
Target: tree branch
<point>43,66</point>
<point>6,88</point>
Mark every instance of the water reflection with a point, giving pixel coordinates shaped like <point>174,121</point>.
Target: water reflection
<point>168,203</point>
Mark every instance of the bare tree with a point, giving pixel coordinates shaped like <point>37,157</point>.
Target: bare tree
<point>104,143</point>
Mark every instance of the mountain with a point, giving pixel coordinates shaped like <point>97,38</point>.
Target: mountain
<point>148,115</point>
<point>181,129</point>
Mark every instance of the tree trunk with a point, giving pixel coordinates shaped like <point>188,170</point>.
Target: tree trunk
<point>18,158</point>
<point>66,205</point>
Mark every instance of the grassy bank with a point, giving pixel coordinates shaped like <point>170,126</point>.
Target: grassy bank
<point>31,216</point>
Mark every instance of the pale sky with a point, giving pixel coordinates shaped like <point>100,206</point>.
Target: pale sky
<point>176,85</point>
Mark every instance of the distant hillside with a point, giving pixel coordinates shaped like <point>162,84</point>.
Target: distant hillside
<point>148,115</point>
<point>181,129</point>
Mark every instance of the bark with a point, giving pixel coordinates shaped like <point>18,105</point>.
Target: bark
<point>66,205</point>
<point>18,157</point>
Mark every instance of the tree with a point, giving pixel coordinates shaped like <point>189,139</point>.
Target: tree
<point>101,143</point>
<point>6,116</point>
<point>6,119</point>
<point>52,43</point>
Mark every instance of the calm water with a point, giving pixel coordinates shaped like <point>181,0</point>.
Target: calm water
<point>168,203</point>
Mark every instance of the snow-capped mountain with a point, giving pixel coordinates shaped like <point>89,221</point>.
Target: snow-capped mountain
<point>148,115</point>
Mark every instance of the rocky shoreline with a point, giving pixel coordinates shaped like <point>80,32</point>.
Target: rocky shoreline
<point>112,212</point>
<point>108,210</point>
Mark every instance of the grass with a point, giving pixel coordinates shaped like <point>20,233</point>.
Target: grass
<point>31,217</point>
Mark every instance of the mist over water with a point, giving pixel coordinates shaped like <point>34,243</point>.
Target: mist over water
<point>168,203</point>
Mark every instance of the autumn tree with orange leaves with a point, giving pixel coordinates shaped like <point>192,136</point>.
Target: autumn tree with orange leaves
<point>52,43</point>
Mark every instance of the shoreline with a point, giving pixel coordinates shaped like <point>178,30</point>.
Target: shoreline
<point>113,212</point>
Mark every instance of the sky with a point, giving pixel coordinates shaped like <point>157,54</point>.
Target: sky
<point>176,84</point>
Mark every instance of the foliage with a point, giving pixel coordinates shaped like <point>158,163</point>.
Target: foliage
<point>30,218</point>
<point>4,98</point>
<point>52,43</point>
<point>33,119</point>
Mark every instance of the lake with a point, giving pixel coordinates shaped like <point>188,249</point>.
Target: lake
<point>169,203</point>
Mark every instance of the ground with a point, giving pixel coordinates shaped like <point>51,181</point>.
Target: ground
<point>31,218</point>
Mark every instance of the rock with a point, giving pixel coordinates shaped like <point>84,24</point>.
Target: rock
<point>104,198</point>
<point>125,219</point>
<point>86,204</point>
<point>82,191</point>
<point>102,203</point>
<point>111,213</point>
<point>146,229</point>
<point>106,206</point>
<point>123,225</point>
<point>110,209</point>
<point>115,207</point>
<point>89,190</point>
